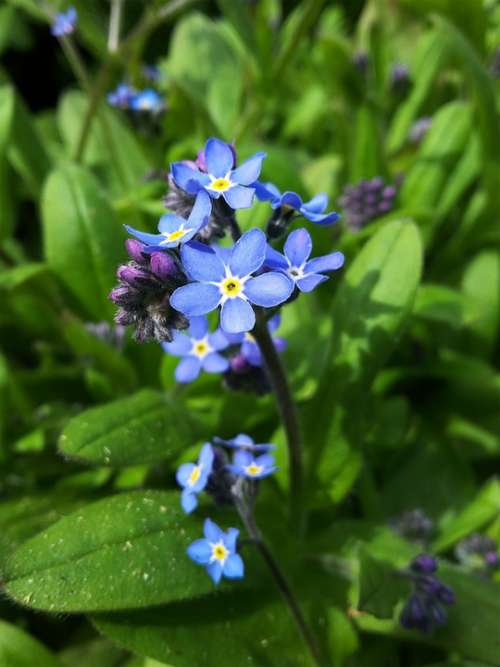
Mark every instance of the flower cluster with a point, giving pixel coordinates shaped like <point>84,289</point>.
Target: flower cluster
<point>478,552</point>
<point>214,473</point>
<point>367,201</point>
<point>413,525</point>
<point>64,23</point>
<point>128,98</point>
<point>425,608</point>
<point>419,129</point>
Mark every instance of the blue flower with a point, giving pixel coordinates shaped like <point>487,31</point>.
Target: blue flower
<point>224,278</point>
<point>218,552</point>
<point>312,210</point>
<point>64,22</point>
<point>194,477</point>
<point>244,442</point>
<point>306,273</point>
<point>199,349</point>
<point>174,230</point>
<point>147,100</point>
<point>121,96</point>
<point>246,465</point>
<point>151,72</point>
<point>249,348</point>
<point>220,178</point>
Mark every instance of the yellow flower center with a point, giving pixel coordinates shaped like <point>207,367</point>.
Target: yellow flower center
<point>231,287</point>
<point>175,236</point>
<point>200,348</point>
<point>194,476</point>
<point>220,184</point>
<point>219,552</point>
<point>249,337</point>
<point>253,469</point>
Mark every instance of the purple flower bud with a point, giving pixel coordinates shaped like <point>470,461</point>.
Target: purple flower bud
<point>413,614</point>
<point>446,595</point>
<point>239,364</point>
<point>132,275</point>
<point>384,207</point>
<point>437,615</point>
<point>134,250</point>
<point>492,559</point>
<point>120,295</point>
<point>424,563</point>
<point>389,192</point>
<point>163,265</point>
<point>428,585</point>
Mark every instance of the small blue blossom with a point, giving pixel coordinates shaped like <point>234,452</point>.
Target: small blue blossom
<point>249,348</point>
<point>218,552</point>
<point>121,96</point>
<point>235,185</point>
<point>174,230</point>
<point>64,22</point>
<point>199,349</point>
<point>312,210</point>
<point>295,263</point>
<point>151,72</point>
<point>147,100</point>
<point>246,465</point>
<point>224,278</point>
<point>193,478</point>
<point>244,442</point>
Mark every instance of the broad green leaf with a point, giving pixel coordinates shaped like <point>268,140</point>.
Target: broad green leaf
<point>7,103</point>
<point>83,242</point>
<point>380,586</point>
<point>94,653</point>
<point>366,159</point>
<point>143,428</point>
<point>481,290</point>
<point>124,552</point>
<point>438,303</point>
<point>18,649</point>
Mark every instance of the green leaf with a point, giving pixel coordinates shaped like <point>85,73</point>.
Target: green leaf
<point>124,552</point>
<point>380,586</point>
<point>18,649</point>
<point>7,101</point>
<point>83,242</point>
<point>481,289</point>
<point>143,428</point>
<point>437,303</point>
<point>366,160</point>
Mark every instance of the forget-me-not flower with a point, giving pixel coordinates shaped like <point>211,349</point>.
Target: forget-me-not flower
<point>306,273</point>
<point>199,349</point>
<point>235,185</point>
<point>175,230</point>
<point>249,348</point>
<point>193,478</point>
<point>244,442</point>
<point>217,551</point>
<point>147,100</point>
<point>121,96</point>
<point>64,22</point>
<point>245,464</point>
<point>225,279</point>
<point>313,210</point>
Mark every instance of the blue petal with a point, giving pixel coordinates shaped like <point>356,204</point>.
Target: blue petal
<point>298,247</point>
<point>218,158</point>
<point>200,551</point>
<point>266,461</point>
<point>215,363</point>
<point>195,299</point>
<point>218,341</point>
<point>214,570</point>
<point>187,369</point>
<point>237,315</point>
<point>280,343</point>
<point>206,458</point>
<point>235,339</point>
<point>189,179</point>
<point>329,262</point>
<point>249,171</point>
<point>266,191</point>
<point>201,263</point>
<point>275,260</point>
<point>291,199</point>
<point>222,252</point>
<point>148,239</point>
<point>242,458</point>
<point>170,223</point>
<point>201,210</point>
<point>198,327</point>
<point>180,345</point>
<point>234,567</point>
<point>212,531</point>
<point>242,439</point>
<point>230,539</point>
<point>184,473</point>
<point>239,196</point>
<point>274,322</point>
<point>189,501</point>
<point>310,282</point>
<point>248,253</point>
<point>320,218</point>
<point>252,354</point>
<point>269,289</point>
<point>317,204</point>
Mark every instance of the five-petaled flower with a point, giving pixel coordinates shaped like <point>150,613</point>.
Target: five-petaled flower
<point>147,100</point>
<point>249,347</point>
<point>245,464</point>
<point>244,442</point>
<point>221,178</point>
<point>193,477</point>
<point>306,273</point>
<point>224,278</point>
<point>64,23</point>
<point>174,230</point>
<point>218,552</point>
<point>199,349</point>
<point>313,210</point>
<point>121,96</point>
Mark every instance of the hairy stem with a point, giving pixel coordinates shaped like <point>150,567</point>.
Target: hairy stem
<point>114,25</point>
<point>280,581</point>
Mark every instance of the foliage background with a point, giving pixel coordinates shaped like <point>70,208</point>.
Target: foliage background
<point>394,363</point>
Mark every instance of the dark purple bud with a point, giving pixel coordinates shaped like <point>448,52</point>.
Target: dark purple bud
<point>134,250</point>
<point>492,559</point>
<point>413,614</point>
<point>120,295</point>
<point>163,265</point>
<point>370,199</point>
<point>132,275</point>
<point>437,615</point>
<point>428,585</point>
<point>360,61</point>
<point>389,192</point>
<point>424,563</point>
<point>239,364</point>
<point>446,595</point>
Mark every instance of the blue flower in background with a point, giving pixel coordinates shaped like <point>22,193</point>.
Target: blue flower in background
<point>312,210</point>
<point>121,96</point>
<point>246,465</point>
<point>147,100</point>
<point>244,442</point>
<point>175,230</point>
<point>199,349</point>
<point>151,72</point>
<point>64,22</point>
<point>218,552</point>
<point>220,178</point>
<point>306,273</point>
<point>225,279</point>
<point>249,348</point>
<point>193,478</point>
